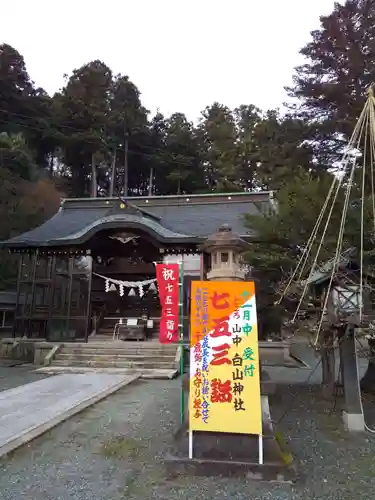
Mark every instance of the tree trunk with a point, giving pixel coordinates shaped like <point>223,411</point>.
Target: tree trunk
<point>94,187</point>
<point>368,380</point>
<point>151,182</point>
<point>113,175</point>
<point>328,366</point>
<point>51,162</point>
<point>126,173</point>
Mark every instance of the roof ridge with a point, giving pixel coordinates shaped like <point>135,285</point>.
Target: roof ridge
<point>140,210</point>
<point>197,217</point>
<point>238,194</point>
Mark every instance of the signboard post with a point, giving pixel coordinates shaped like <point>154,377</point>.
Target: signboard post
<point>170,278</point>
<point>181,325</point>
<point>224,360</point>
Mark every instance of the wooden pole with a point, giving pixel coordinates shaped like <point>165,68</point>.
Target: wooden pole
<point>126,173</point>
<point>182,394</point>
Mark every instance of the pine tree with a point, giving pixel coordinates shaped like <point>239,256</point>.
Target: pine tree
<point>331,85</point>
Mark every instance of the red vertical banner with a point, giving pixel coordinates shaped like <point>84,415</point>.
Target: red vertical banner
<point>168,278</point>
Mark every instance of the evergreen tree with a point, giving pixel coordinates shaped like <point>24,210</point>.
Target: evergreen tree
<point>332,83</point>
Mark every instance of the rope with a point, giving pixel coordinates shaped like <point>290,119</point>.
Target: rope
<point>335,181</point>
<point>365,123</point>
<point>314,264</point>
<point>309,245</point>
<point>362,220</point>
<point>372,157</point>
<point>126,284</point>
<point>357,133</point>
<point>354,143</point>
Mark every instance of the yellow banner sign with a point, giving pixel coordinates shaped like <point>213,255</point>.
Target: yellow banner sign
<point>224,358</point>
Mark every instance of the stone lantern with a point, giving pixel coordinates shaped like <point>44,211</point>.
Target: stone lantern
<point>225,249</point>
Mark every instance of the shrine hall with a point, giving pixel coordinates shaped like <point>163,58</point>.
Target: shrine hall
<point>92,265</point>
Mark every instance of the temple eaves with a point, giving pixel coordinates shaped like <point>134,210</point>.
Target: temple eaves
<point>168,219</point>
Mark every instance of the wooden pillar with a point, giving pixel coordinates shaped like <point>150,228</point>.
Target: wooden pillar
<point>51,295</point>
<point>20,263</point>
<point>70,286</point>
<point>33,278</point>
<point>88,307</point>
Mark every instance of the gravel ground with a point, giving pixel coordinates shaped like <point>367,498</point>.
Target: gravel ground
<point>112,451</point>
<point>18,375</point>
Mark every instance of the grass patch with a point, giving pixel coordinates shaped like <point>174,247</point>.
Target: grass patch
<point>143,481</point>
<point>368,462</point>
<point>121,447</point>
<point>332,425</point>
<point>286,456</point>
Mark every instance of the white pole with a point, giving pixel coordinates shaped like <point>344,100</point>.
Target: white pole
<point>190,445</point>
<point>260,446</point>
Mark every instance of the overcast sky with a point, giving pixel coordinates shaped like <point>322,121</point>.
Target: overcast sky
<point>182,55</point>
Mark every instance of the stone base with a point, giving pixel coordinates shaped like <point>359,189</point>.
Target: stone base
<point>229,455</point>
<point>353,422</point>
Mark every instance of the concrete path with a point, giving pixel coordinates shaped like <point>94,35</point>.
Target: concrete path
<point>30,410</point>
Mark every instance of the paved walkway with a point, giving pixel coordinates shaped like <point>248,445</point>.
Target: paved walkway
<point>31,409</point>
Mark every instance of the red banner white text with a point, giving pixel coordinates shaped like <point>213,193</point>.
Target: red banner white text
<point>168,277</point>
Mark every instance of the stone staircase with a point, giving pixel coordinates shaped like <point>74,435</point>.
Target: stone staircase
<point>149,359</point>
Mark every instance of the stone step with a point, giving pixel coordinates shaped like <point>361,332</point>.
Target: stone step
<point>122,344</point>
<point>114,357</point>
<point>112,364</point>
<point>99,342</point>
<point>111,351</point>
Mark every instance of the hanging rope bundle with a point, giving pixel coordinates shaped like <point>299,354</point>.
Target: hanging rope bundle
<point>363,136</point>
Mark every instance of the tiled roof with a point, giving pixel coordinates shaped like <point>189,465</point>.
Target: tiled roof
<point>168,218</point>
